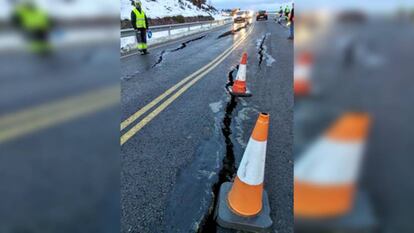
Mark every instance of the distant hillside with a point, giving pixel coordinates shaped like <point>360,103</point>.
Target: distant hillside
<point>162,12</point>
<point>168,8</point>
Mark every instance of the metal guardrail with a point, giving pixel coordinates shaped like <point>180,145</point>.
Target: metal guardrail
<point>170,27</point>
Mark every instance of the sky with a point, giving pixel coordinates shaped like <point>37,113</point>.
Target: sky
<point>270,5</point>
<point>335,5</point>
<point>365,5</point>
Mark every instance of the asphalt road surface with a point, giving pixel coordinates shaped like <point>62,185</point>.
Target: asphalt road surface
<point>372,73</point>
<point>59,129</point>
<point>179,130</point>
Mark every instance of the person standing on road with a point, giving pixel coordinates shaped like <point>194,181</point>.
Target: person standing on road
<point>280,14</point>
<point>292,21</point>
<point>139,22</point>
<point>35,24</point>
<point>287,11</point>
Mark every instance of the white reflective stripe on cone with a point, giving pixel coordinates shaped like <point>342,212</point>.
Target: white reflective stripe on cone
<point>241,74</point>
<point>251,169</point>
<point>330,162</point>
<point>302,72</point>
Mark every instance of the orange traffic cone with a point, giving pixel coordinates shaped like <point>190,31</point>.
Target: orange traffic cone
<point>244,205</point>
<point>326,175</point>
<point>239,86</point>
<point>303,70</point>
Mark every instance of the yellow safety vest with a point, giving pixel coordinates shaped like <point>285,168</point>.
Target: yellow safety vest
<point>32,19</point>
<point>287,10</point>
<point>140,17</point>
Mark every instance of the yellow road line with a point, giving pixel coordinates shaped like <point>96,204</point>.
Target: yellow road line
<point>48,108</point>
<point>147,107</point>
<point>27,121</point>
<point>125,137</point>
<point>140,112</point>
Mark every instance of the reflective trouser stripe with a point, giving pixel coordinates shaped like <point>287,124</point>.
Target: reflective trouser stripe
<point>142,46</point>
<point>141,35</point>
<point>39,46</point>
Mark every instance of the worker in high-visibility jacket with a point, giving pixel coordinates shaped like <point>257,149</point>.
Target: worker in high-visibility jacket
<point>280,15</point>
<point>35,24</point>
<point>287,11</point>
<point>280,11</point>
<point>140,24</point>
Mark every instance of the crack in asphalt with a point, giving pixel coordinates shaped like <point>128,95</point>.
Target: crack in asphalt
<point>230,77</point>
<point>261,50</point>
<point>225,34</point>
<point>160,58</point>
<point>182,46</point>
<point>228,169</point>
<point>230,32</point>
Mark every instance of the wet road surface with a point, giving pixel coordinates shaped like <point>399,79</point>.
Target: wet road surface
<point>59,166</point>
<point>376,79</point>
<point>177,149</point>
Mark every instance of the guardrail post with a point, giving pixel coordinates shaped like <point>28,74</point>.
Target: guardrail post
<point>169,31</point>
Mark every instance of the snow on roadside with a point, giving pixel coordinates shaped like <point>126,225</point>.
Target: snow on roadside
<point>77,9</point>
<point>64,9</point>
<point>129,43</point>
<point>164,8</point>
<point>14,41</point>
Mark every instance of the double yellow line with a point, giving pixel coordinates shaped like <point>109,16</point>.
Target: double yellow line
<point>29,120</point>
<point>184,85</point>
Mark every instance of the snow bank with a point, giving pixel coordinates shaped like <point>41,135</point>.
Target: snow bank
<point>129,43</point>
<point>75,9</point>
<point>164,8</point>
<point>14,41</point>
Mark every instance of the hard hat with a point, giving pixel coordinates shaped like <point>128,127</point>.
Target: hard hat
<point>136,2</point>
<point>27,2</point>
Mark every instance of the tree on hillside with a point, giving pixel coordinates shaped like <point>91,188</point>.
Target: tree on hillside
<point>198,3</point>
